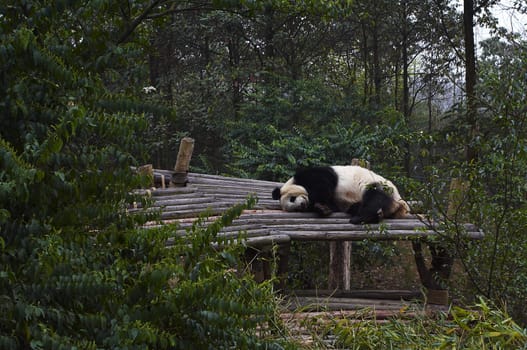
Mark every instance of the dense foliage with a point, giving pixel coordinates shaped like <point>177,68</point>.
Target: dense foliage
<point>75,271</point>
<point>89,90</point>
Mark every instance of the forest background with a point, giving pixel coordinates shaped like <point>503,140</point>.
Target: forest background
<point>264,87</point>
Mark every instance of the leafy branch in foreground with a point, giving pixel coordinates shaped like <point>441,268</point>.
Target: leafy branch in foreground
<point>75,269</point>
<point>125,289</point>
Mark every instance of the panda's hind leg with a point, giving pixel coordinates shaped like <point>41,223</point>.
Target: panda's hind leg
<point>374,206</point>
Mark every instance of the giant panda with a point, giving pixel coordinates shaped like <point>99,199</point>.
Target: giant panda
<point>365,195</point>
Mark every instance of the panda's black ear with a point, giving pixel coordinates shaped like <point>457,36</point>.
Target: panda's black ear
<point>276,193</point>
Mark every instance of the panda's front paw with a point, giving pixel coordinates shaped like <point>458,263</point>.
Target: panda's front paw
<point>322,209</point>
<point>356,220</point>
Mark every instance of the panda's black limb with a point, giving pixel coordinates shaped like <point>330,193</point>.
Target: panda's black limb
<point>375,203</point>
<point>276,193</point>
<point>322,209</point>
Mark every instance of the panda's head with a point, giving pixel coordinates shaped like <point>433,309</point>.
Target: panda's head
<point>292,197</point>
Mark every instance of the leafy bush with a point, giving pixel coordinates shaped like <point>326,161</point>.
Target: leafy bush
<point>75,269</point>
<point>124,289</point>
<point>483,327</point>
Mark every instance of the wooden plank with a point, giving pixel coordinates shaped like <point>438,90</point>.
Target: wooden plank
<point>259,241</point>
<point>268,240</point>
<point>282,217</point>
<point>263,241</point>
<point>316,303</point>
<point>396,294</point>
<point>362,235</point>
<point>209,178</point>
<point>234,233</point>
<point>323,318</point>
<point>204,206</point>
<point>285,223</point>
<point>170,191</point>
<point>340,218</point>
<point>342,231</point>
<point>171,201</point>
<point>226,190</point>
<point>191,213</point>
<point>243,183</point>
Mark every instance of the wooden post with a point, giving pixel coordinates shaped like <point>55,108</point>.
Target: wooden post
<point>283,264</point>
<point>435,277</point>
<point>340,253</point>
<point>255,263</point>
<point>180,175</point>
<point>339,265</point>
<point>148,171</point>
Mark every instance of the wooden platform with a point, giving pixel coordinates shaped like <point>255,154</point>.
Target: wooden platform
<point>210,192</point>
<point>267,225</point>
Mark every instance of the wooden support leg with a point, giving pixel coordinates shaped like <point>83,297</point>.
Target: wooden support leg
<point>261,261</point>
<point>442,262</point>
<point>339,265</point>
<point>283,264</point>
<point>255,263</point>
<point>435,278</point>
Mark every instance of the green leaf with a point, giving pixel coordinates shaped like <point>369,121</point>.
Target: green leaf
<point>25,36</point>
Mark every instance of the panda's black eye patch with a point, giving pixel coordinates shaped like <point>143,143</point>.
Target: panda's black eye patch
<point>292,199</point>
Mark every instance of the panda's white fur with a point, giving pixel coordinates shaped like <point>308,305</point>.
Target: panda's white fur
<point>299,194</point>
<point>352,182</point>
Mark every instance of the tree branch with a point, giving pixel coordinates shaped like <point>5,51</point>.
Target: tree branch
<point>137,21</point>
<point>173,10</point>
<point>149,13</point>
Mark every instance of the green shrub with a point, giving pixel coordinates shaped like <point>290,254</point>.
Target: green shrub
<point>483,327</point>
<point>76,271</point>
<point>119,288</point>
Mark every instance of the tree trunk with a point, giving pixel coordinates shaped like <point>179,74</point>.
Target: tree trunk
<point>376,68</point>
<point>429,103</point>
<point>470,77</point>
<point>365,63</point>
<point>404,48</point>
<point>269,32</point>
<point>406,87</point>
